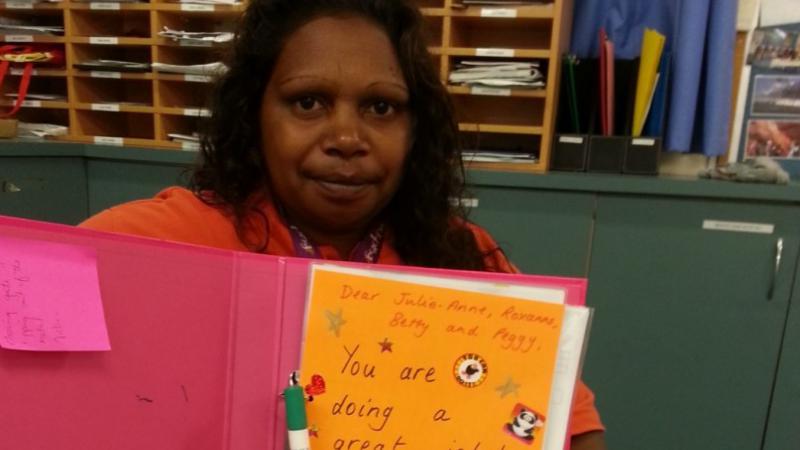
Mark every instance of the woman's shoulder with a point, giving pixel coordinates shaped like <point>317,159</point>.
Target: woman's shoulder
<point>175,214</point>
<point>494,257</point>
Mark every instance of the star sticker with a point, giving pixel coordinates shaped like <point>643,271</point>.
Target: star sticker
<point>509,387</point>
<point>386,345</point>
<point>335,321</point>
<point>313,431</point>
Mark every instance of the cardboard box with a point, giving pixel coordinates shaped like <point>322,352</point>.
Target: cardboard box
<point>8,128</point>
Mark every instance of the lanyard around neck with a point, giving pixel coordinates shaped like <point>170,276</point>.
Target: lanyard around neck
<point>367,250</point>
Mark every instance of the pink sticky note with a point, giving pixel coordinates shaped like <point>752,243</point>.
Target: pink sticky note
<point>50,297</point>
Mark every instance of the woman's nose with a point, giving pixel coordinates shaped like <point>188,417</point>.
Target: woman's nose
<point>346,137</point>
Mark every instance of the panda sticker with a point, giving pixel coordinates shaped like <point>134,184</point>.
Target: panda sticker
<point>524,424</point>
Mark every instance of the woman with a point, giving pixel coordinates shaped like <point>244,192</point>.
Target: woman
<point>331,137</point>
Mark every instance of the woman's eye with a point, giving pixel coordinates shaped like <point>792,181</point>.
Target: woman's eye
<point>381,108</point>
<point>307,103</point>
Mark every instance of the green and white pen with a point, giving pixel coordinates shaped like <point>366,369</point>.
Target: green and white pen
<point>296,421</point>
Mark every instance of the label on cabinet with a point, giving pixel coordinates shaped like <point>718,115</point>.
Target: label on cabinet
<point>193,7</point>
<point>104,74</point>
<point>643,142</point>
<point>19,5</point>
<point>16,71</point>
<point>111,107</point>
<point>106,6</point>
<point>19,38</point>
<point>103,40</point>
<point>498,12</point>
<point>190,146</point>
<point>32,103</point>
<point>495,52</point>
<point>107,140</point>
<point>196,112</point>
<point>739,227</point>
<point>197,78</point>
<point>570,140</point>
<point>482,90</point>
<point>471,202</point>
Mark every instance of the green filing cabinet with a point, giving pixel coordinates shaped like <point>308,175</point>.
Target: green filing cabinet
<point>783,430</point>
<point>51,189</point>
<point>686,338</point>
<point>542,232</point>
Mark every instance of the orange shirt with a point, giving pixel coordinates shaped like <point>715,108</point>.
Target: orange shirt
<point>176,214</point>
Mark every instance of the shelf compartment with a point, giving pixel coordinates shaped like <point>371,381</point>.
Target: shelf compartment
<point>433,29</point>
<point>115,107</point>
<point>38,16</point>
<point>40,115</point>
<point>186,78</point>
<point>496,110</point>
<point>505,143</point>
<point>195,22</point>
<point>17,71</point>
<point>429,3</point>
<point>89,90</point>
<point>21,38</point>
<point>199,9</point>
<point>499,92</point>
<point>181,125</point>
<point>130,24</point>
<point>45,18</point>
<point>38,85</point>
<point>113,75</point>
<point>34,104</point>
<point>180,94</point>
<point>40,69</point>
<point>30,6</point>
<point>464,89</point>
<point>106,6</point>
<point>85,52</point>
<point>521,36</point>
<point>206,23</point>
<point>113,125</point>
<point>545,11</point>
<point>43,115</point>
<point>189,55</point>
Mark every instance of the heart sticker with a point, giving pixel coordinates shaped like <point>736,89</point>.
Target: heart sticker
<point>317,385</point>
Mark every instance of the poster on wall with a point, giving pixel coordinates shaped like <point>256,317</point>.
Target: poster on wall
<point>776,95</point>
<point>779,139</point>
<point>775,48</point>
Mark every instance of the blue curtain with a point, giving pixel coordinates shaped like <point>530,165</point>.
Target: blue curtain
<point>701,35</point>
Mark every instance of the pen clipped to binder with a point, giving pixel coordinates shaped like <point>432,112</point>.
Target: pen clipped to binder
<point>296,420</point>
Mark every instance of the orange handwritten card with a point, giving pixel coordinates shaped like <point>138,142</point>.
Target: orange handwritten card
<point>395,365</point>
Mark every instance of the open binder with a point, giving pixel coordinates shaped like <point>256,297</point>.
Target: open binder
<point>202,341</point>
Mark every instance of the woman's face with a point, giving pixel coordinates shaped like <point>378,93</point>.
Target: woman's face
<point>335,128</point>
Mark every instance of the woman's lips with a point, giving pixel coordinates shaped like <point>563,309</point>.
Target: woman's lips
<point>342,190</point>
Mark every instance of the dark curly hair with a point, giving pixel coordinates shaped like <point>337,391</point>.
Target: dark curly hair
<point>428,230</point>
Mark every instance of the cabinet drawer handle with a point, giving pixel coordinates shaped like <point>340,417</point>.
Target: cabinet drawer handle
<point>778,256</point>
<point>10,187</point>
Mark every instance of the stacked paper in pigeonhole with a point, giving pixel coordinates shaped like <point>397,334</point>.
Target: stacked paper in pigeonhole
<point>505,2</point>
<point>499,74</point>
<point>189,37</point>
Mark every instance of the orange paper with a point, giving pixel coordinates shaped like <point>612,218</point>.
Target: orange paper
<point>396,365</point>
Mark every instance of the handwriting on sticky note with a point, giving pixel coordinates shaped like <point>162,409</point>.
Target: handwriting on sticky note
<point>409,366</point>
<point>50,297</point>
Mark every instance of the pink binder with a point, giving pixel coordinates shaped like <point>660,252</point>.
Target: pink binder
<point>202,343</point>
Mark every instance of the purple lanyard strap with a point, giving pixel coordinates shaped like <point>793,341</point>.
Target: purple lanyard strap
<point>366,251</point>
